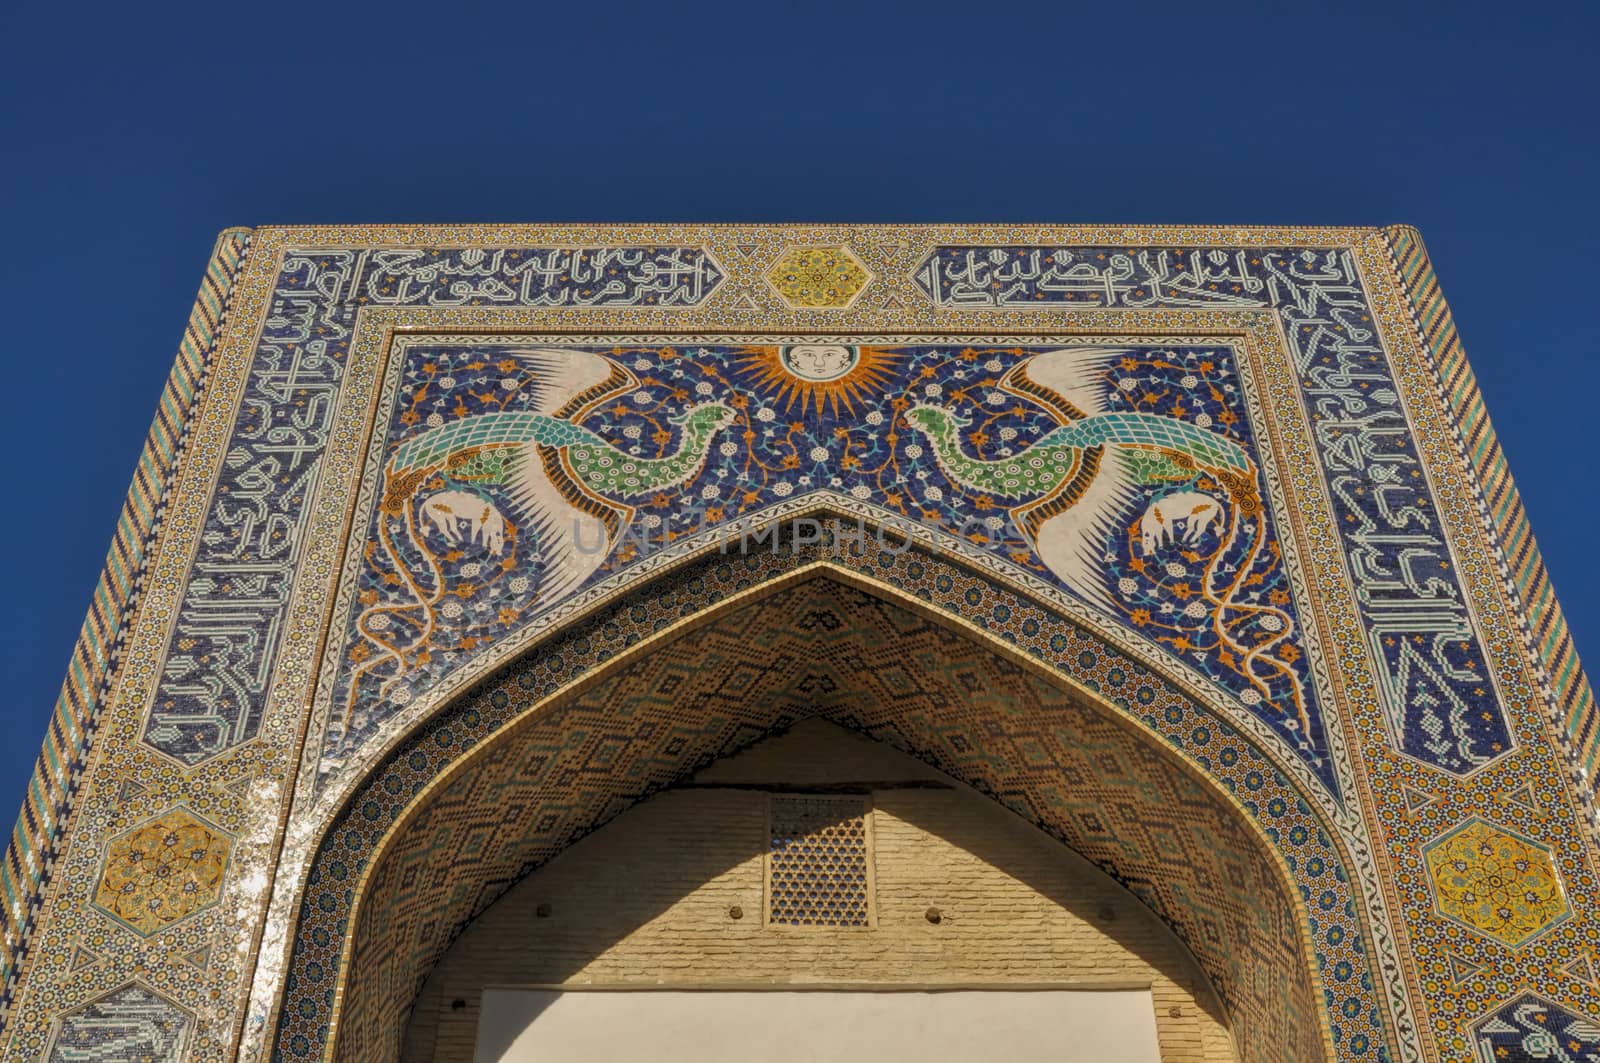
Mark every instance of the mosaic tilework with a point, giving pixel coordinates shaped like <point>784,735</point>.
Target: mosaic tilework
<point>34,839</point>
<point>549,276</point>
<point>818,276</point>
<point>1438,703</point>
<point>1573,705</point>
<point>1418,981</point>
<point>876,668</point>
<point>163,870</point>
<point>1532,1030</point>
<point>819,861</point>
<point>1495,882</point>
<point>131,1024</point>
<point>214,684</point>
<point>1148,507</point>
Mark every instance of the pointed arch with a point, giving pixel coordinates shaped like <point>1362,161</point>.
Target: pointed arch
<point>520,766</point>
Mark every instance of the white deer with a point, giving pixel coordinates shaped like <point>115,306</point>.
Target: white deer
<point>484,523</point>
<point>1159,524</point>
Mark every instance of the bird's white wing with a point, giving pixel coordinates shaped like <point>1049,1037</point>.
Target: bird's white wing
<point>562,374</point>
<point>572,540</point>
<point>1072,540</point>
<point>1075,374</point>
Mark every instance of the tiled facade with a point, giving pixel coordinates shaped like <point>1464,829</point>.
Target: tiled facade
<point>1225,498</point>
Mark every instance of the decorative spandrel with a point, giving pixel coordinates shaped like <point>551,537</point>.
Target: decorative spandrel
<point>214,680</point>
<point>1126,476</point>
<point>1438,700</point>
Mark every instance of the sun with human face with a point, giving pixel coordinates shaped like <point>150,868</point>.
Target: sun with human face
<point>837,374</point>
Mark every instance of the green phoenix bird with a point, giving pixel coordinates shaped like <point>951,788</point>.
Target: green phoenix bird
<point>573,486</point>
<point>1071,485</point>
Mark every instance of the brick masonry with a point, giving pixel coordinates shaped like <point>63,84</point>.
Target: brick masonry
<point>647,900</point>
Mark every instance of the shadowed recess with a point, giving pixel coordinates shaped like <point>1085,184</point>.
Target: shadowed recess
<point>1057,757</point>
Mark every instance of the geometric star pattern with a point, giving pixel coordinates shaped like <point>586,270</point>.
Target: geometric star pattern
<point>162,870</point>
<point>1495,882</point>
<point>818,277</point>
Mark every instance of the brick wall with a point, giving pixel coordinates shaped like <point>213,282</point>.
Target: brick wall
<point>649,898</point>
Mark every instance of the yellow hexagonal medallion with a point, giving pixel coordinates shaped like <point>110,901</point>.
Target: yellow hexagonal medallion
<point>818,277</point>
<point>1495,882</point>
<point>162,870</point>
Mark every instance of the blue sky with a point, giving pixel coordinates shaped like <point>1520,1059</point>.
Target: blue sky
<point>132,133</point>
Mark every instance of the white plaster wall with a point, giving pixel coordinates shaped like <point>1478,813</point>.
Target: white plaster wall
<point>715,1026</point>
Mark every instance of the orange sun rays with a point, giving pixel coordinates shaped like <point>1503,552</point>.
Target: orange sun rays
<point>839,375</point>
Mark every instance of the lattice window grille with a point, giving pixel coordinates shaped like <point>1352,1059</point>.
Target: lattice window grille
<point>819,861</point>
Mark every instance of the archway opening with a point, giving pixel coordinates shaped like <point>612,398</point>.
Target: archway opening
<point>818,862</point>
<point>1062,759</point>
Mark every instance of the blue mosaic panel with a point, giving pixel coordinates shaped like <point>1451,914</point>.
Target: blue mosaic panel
<point>1531,1030</point>
<point>1434,677</point>
<point>131,1024</point>
<point>1125,476</point>
<point>213,685</point>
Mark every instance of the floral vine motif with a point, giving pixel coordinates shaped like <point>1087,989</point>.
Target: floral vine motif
<point>1495,882</point>
<point>827,277</point>
<point>163,870</point>
<point>516,476</point>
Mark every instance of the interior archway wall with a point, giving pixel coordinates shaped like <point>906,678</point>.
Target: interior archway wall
<point>1057,758</point>
<point>955,891</point>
